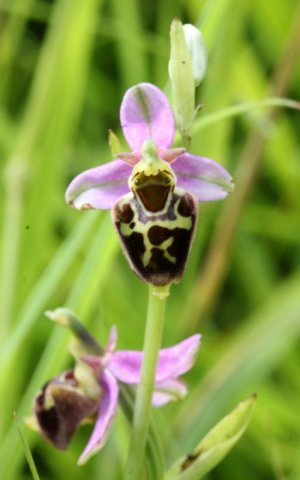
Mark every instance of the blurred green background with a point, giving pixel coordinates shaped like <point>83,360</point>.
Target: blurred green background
<point>65,66</point>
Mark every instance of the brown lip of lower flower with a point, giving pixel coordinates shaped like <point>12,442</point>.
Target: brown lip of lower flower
<point>61,407</point>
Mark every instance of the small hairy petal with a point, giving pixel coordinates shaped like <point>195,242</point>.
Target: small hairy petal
<point>106,414</point>
<point>129,157</point>
<point>170,154</point>
<point>99,187</point>
<point>112,341</point>
<point>204,178</point>
<point>146,114</point>
<point>168,391</point>
<point>172,362</point>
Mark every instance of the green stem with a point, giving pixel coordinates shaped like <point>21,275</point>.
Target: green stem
<point>141,416</point>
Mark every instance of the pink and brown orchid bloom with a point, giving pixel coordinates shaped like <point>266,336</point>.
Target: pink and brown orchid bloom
<point>153,190</point>
<point>90,391</point>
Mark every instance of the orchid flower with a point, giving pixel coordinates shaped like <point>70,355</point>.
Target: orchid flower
<point>153,190</point>
<point>90,390</point>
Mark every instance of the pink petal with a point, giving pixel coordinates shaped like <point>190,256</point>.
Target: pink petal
<point>107,412</point>
<point>172,362</point>
<point>99,187</point>
<point>146,114</point>
<point>168,391</point>
<point>204,178</point>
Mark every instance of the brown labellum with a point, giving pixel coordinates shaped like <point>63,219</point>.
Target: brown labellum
<point>156,235</point>
<point>60,408</point>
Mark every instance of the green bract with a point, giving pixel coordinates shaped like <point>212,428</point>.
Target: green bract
<point>215,445</point>
<point>182,82</point>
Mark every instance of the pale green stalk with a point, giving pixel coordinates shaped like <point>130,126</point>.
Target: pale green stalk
<point>142,409</point>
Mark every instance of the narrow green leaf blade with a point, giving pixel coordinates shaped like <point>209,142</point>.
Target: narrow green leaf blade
<point>27,452</point>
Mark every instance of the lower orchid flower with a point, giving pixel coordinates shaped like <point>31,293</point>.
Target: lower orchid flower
<point>153,191</point>
<point>90,390</point>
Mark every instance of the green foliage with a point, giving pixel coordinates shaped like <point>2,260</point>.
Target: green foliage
<point>64,66</point>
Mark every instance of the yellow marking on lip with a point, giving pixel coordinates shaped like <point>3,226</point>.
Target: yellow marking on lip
<point>164,246</point>
<point>143,229</point>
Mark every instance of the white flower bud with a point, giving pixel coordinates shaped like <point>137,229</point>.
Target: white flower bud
<point>197,50</point>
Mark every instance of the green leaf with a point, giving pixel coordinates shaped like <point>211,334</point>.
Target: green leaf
<point>215,445</point>
<point>27,452</point>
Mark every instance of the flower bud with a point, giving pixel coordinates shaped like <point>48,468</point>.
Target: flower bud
<point>182,82</point>
<point>197,50</point>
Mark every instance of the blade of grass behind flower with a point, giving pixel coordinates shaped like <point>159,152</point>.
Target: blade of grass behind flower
<point>246,107</point>
<point>132,59</point>
<point>19,13</point>
<point>47,284</point>
<point>52,111</point>
<point>27,451</point>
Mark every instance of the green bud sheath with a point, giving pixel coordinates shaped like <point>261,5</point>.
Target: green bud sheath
<point>182,82</point>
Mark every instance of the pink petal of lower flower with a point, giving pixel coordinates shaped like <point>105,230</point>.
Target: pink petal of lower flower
<point>204,178</point>
<point>146,114</point>
<point>168,391</point>
<point>99,187</point>
<point>172,362</point>
<point>107,412</point>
